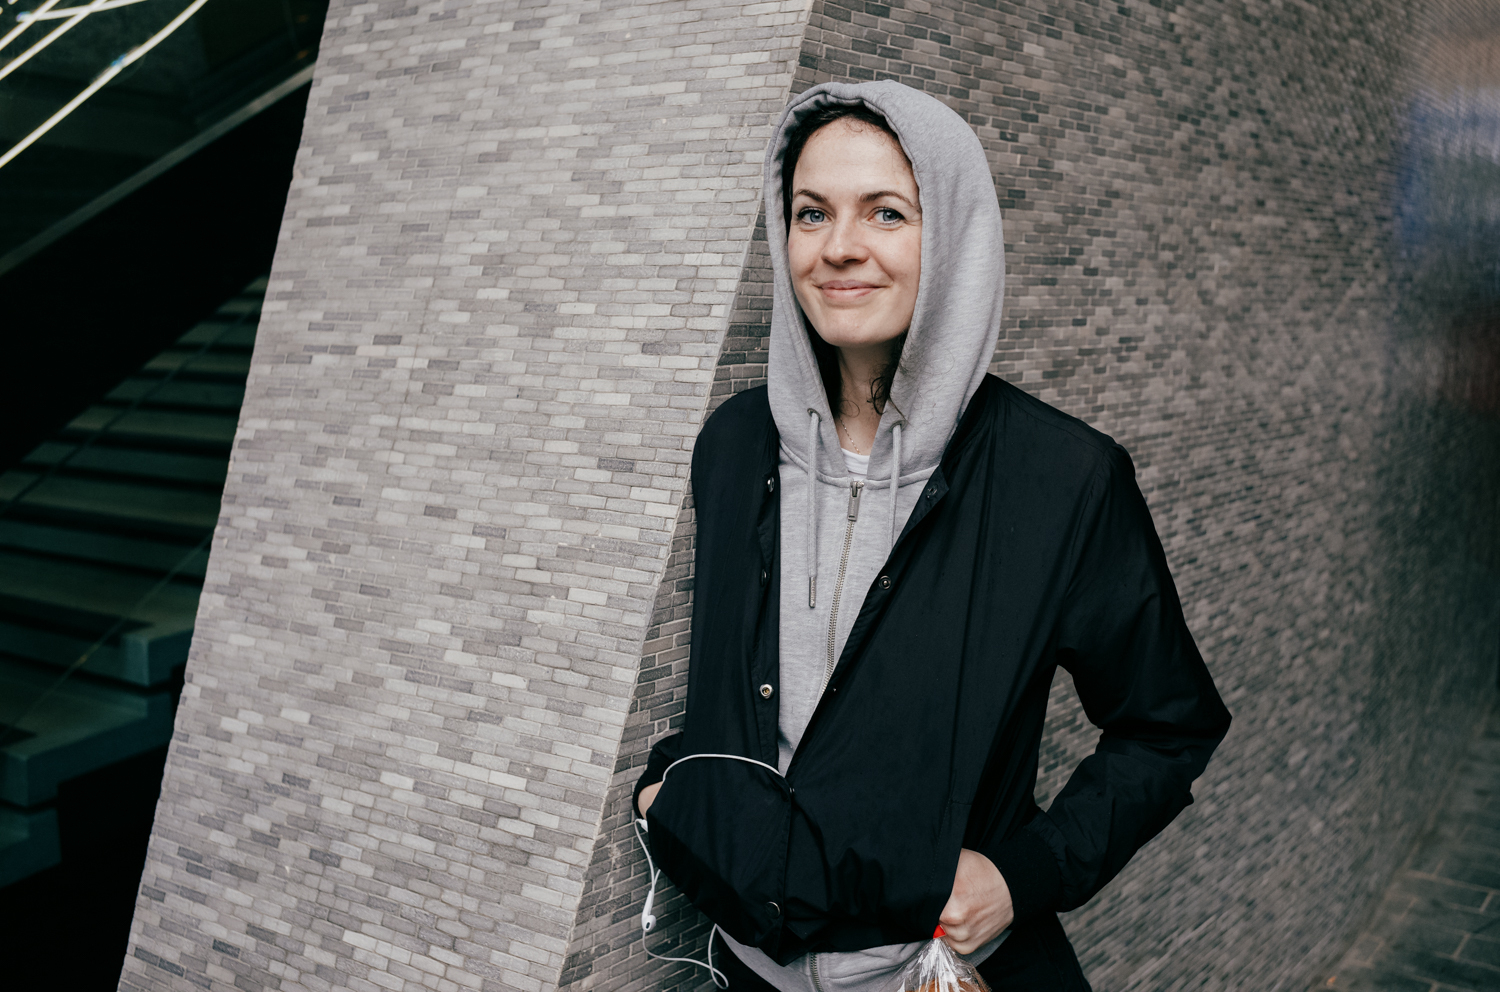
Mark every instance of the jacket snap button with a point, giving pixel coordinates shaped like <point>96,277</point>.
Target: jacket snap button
<point>766,690</point>
<point>764,576</point>
<point>931,492</point>
<point>773,909</point>
<point>885,582</point>
<point>770,483</point>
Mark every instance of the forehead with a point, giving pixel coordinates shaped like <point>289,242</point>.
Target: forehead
<point>856,155</point>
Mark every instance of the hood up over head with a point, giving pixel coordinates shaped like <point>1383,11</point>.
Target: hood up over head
<point>956,321</point>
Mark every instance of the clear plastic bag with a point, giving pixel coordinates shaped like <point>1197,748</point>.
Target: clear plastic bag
<point>937,968</point>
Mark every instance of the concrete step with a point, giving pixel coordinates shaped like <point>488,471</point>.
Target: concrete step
<point>53,610</point>
<point>28,843</point>
<point>97,459</point>
<point>222,330</point>
<point>78,726</point>
<point>102,547</point>
<point>122,502</point>
<point>147,425</point>
<point>95,517</point>
<point>231,363</point>
<point>219,395</point>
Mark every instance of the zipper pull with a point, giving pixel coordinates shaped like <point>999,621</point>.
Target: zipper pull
<point>854,490</point>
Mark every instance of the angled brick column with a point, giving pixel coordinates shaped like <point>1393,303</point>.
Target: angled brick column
<point>512,243</point>
<point>447,606</point>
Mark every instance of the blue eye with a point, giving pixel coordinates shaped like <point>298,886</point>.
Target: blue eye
<point>889,216</point>
<point>810,215</point>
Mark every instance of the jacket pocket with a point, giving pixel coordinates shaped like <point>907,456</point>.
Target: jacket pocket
<point>718,828</point>
<point>946,851</point>
<point>856,881</point>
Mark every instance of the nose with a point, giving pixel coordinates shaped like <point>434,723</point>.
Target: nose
<point>846,243</point>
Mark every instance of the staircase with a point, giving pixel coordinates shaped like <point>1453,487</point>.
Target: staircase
<point>104,533</point>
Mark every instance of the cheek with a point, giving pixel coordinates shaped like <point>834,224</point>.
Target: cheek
<point>907,262</point>
<point>801,254</point>
<point>802,259</point>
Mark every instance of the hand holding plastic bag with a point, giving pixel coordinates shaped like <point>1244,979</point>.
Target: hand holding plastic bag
<point>937,968</point>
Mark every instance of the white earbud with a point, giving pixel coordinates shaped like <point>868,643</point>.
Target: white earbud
<point>648,920</point>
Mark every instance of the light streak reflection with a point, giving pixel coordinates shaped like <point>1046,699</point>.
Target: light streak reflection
<point>52,15</point>
<point>115,68</point>
<point>14,32</point>
<point>57,32</point>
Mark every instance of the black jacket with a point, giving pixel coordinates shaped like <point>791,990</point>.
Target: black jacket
<point>1031,547</point>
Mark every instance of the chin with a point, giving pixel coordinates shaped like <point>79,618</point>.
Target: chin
<point>858,337</point>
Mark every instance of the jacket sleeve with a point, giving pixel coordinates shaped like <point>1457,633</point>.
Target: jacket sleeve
<point>1122,636</point>
<point>663,753</point>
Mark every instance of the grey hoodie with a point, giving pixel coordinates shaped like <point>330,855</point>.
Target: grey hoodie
<point>829,560</point>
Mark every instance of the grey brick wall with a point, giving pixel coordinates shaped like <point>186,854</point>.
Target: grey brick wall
<point>1204,208</point>
<point>1209,217</point>
<point>448,601</point>
<point>513,238</point>
<point>606,951</point>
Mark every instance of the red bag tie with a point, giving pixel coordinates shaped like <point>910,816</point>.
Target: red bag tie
<point>938,968</point>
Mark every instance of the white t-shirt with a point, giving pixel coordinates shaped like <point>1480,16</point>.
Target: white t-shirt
<point>858,465</point>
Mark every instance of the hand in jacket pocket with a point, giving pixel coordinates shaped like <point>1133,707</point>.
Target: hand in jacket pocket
<point>648,796</point>
<point>979,907</point>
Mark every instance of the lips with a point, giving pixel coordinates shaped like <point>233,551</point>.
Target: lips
<point>846,289</point>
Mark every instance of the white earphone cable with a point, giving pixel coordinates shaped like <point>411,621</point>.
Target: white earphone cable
<point>648,920</point>
<point>730,757</point>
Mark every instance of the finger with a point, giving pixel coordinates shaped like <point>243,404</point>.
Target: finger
<point>955,934</point>
<point>961,940</point>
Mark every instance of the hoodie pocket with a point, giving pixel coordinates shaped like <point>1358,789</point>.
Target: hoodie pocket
<point>718,828</point>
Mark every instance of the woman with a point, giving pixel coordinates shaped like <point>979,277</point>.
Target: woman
<point>894,552</point>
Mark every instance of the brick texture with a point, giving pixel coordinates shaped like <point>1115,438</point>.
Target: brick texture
<point>448,602</point>
<point>1436,925</point>
<point>1241,249</point>
<point>512,242</point>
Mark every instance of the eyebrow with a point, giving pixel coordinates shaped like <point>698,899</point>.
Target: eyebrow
<point>866,198</point>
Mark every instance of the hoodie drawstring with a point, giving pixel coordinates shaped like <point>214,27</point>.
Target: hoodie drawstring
<point>895,476</point>
<point>813,437</point>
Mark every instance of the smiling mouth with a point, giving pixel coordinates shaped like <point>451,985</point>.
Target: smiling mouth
<point>842,289</point>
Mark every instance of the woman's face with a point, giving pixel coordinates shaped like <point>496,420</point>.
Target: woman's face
<point>855,244</point>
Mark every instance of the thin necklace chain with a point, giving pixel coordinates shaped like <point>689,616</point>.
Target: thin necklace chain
<point>849,436</point>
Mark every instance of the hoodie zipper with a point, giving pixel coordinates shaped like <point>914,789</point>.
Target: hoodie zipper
<point>812,961</point>
<point>855,487</point>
